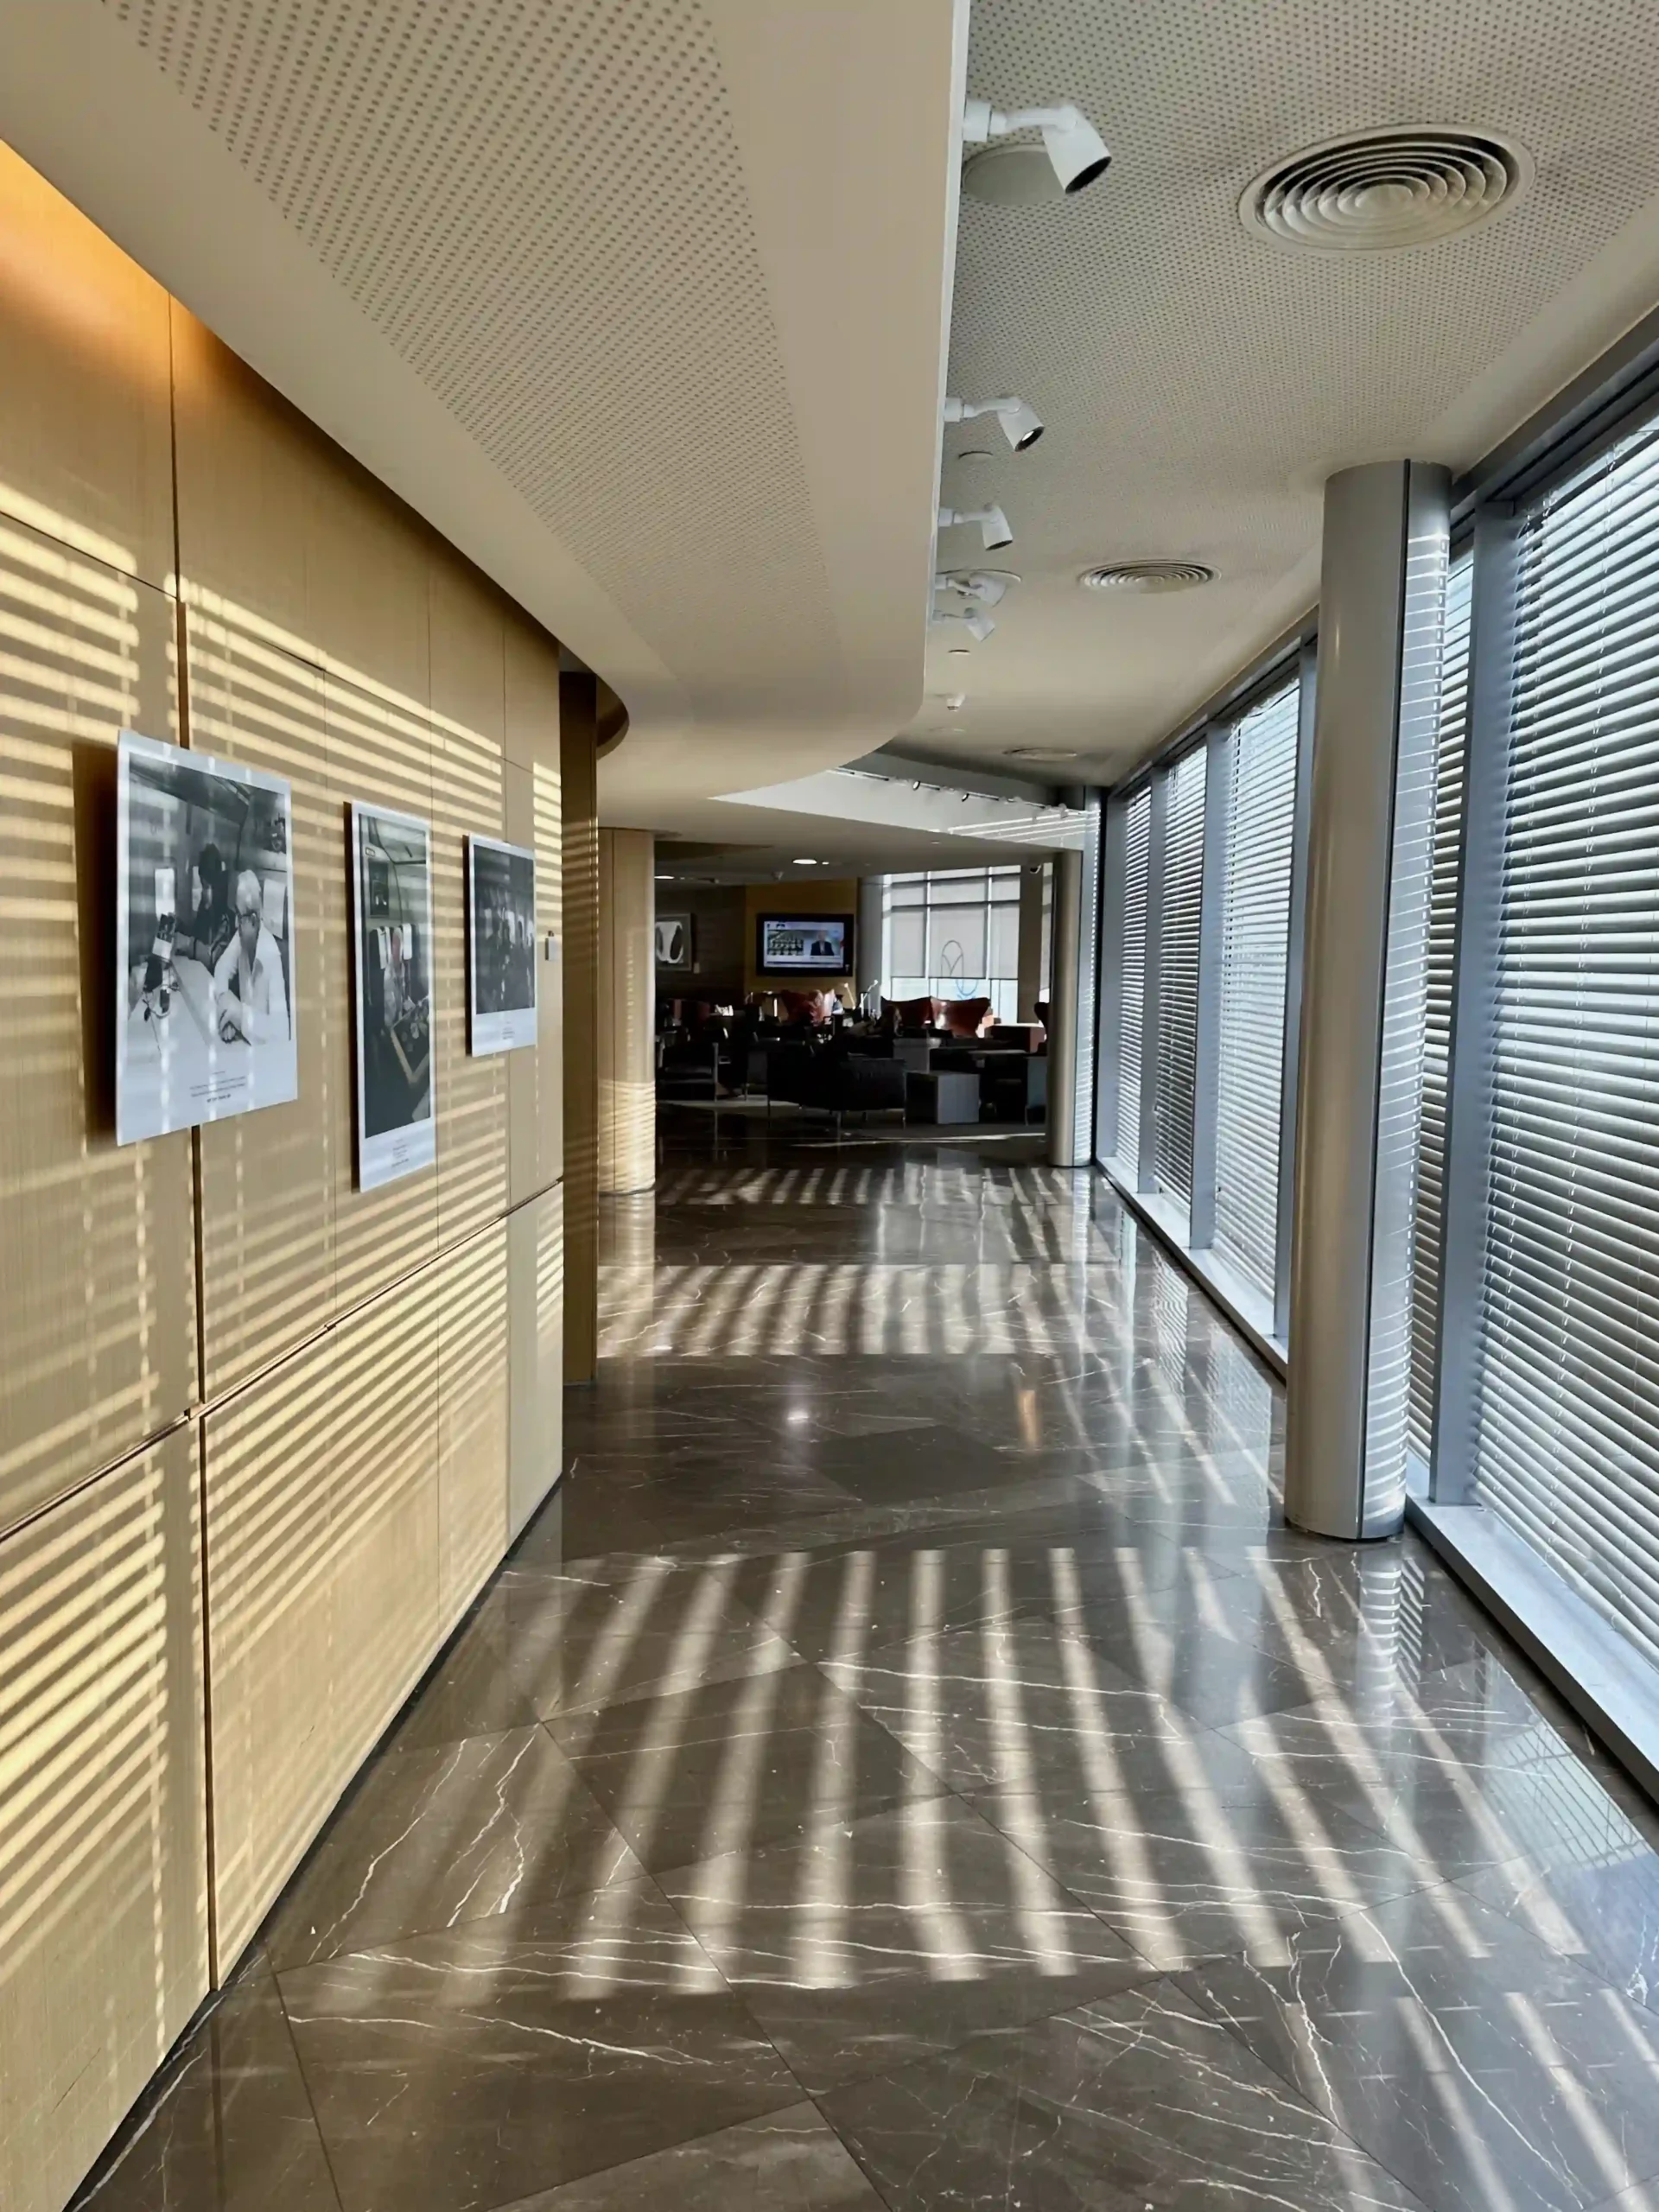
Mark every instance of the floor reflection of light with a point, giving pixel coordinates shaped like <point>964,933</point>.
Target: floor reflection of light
<point>1432,2049</point>
<point>614,1641</point>
<point>939,1928</point>
<point>825,1890</point>
<point>1232,1878</point>
<point>1104,1779</point>
<point>664,1719</point>
<point>729,1821</point>
<point>1597,2137</point>
<point>1020,1804</point>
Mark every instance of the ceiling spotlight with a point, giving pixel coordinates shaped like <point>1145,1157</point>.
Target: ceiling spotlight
<point>993,524</point>
<point>1076,151</point>
<point>979,626</point>
<point>955,702</point>
<point>1019,421</point>
<point>984,590</point>
<point>803,862</point>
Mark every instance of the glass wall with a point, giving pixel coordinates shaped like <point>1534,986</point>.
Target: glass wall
<point>1196,982</point>
<point>953,933</point>
<point>1533,1413</point>
<point>1551,1422</point>
<point>1259,818</point>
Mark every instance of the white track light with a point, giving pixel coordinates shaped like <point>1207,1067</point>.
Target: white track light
<point>1019,423</point>
<point>982,590</point>
<point>978,626</point>
<point>1076,151</point>
<point>993,524</point>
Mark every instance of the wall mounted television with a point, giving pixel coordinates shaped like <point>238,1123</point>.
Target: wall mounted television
<point>804,944</point>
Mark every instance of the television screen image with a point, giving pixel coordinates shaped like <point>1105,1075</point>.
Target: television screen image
<point>500,946</point>
<point>804,944</point>
<point>204,1018</point>
<point>392,908</point>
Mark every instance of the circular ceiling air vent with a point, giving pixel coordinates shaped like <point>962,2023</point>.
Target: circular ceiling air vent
<point>1147,576</point>
<point>1386,189</point>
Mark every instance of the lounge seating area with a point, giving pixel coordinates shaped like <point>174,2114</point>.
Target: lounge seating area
<point>928,1060</point>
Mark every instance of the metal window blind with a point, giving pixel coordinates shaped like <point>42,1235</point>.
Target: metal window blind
<point>1255,949</point>
<point>1182,860</point>
<point>1137,858</point>
<point>1429,1215</point>
<point>1568,1365</point>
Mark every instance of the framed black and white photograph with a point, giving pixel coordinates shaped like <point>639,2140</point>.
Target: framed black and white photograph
<point>676,944</point>
<point>500,946</point>
<point>391,907</point>
<point>205,1017</point>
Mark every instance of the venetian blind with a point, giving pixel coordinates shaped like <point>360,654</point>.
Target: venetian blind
<point>1137,858</point>
<point>1254,950</point>
<point>1182,863</point>
<point>1567,1366</point>
<point>1436,1012</point>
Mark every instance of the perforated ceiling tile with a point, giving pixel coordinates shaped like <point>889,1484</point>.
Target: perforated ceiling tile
<point>1198,382</point>
<point>541,205</point>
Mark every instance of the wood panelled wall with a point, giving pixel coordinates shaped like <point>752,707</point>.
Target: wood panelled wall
<point>262,1436</point>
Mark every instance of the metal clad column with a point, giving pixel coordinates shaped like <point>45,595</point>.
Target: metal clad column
<point>1031,984</point>
<point>1063,1012</point>
<point>1381,593</point>
<point>1071,999</point>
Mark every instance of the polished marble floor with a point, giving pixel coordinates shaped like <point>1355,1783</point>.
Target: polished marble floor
<point>911,1764</point>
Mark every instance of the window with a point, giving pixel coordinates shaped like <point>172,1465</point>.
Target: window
<point>1137,856</point>
<point>1567,1387</point>
<point>953,934</point>
<point>1259,763</point>
<point>1198,925</point>
<point>1181,889</point>
<point>1437,1014</point>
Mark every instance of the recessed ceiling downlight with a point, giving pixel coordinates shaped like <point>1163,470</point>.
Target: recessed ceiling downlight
<point>1385,190</point>
<point>1147,576</point>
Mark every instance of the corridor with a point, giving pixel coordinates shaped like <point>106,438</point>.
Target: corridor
<point>911,1764</point>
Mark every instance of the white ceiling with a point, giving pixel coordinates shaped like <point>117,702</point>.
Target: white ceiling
<point>642,302</point>
<point>1199,383</point>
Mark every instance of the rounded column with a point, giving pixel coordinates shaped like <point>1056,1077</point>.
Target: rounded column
<point>1382,591</point>
<point>627,1011</point>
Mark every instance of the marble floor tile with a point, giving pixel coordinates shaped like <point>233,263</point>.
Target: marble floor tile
<point>431,1838</point>
<point>1474,2063</point>
<point>569,1643</point>
<point>1139,2100</point>
<point>1026,1704</point>
<point>227,2125</point>
<point>865,1597</point>
<point>469,1692</point>
<point>735,1764</point>
<point>1186,1875</point>
<point>511,2056</point>
<point>1591,1894</point>
<point>788,2161</point>
<point>867,1944</point>
<point>912,1463</point>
